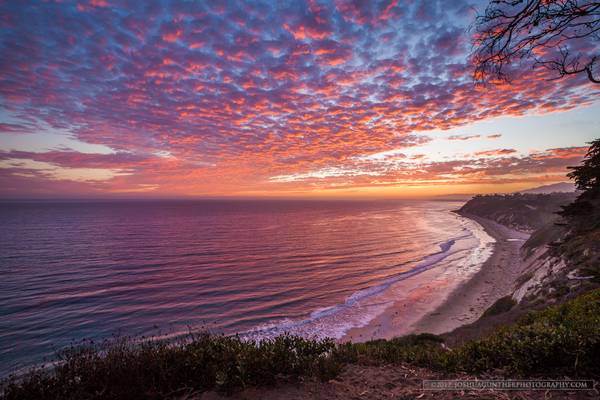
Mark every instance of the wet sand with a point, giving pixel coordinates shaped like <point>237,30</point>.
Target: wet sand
<point>462,305</point>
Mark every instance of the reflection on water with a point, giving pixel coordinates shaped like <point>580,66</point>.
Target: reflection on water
<point>89,270</point>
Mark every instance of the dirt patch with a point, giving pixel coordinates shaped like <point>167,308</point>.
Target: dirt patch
<point>386,382</point>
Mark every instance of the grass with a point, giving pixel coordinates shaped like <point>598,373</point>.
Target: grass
<point>558,341</point>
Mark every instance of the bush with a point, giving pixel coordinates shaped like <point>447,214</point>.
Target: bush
<point>563,339</point>
<point>502,305</point>
<point>154,369</point>
<point>423,349</point>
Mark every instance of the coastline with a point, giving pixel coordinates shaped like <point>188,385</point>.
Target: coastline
<point>460,306</point>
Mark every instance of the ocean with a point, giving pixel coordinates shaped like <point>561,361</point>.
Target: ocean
<point>75,270</point>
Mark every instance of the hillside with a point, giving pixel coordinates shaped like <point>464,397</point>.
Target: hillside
<point>560,260</point>
<point>523,212</point>
<point>563,259</point>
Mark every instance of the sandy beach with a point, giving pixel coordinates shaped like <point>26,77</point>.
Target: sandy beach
<point>463,304</point>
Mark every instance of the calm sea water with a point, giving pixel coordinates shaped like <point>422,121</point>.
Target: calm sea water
<point>92,269</point>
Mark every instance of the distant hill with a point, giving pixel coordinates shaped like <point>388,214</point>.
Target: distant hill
<point>454,197</point>
<point>561,187</point>
<point>524,212</point>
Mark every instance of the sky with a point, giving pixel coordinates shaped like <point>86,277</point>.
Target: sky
<point>343,98</point>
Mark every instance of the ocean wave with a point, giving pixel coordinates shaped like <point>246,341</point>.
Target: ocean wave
<point>358,309</point>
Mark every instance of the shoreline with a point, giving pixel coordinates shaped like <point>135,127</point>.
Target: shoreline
<point>462,305</point>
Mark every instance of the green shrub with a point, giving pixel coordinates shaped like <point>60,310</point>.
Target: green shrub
<point>562,339</point>
<point>502,305</point>
<point>422,349</point>
<point>154,369</point>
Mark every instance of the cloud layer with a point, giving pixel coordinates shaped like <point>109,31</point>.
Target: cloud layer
<point>255,97</point>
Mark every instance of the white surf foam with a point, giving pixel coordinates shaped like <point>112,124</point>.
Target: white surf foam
<point>364,305</point>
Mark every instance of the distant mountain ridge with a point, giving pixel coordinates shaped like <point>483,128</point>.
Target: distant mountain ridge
<point>560,187</point>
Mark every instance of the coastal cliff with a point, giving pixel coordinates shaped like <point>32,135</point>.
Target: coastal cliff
<point>522,212</point>
<point>560,259</point>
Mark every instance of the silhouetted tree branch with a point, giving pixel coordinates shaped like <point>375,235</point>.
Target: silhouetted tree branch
<point>561,35</point>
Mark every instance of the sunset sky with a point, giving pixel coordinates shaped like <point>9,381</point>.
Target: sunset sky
<point>106,98</point>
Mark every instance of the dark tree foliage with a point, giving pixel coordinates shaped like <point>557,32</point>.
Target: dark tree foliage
<point>561,35</point>
<point>587,175</point>
<point>587,180</point>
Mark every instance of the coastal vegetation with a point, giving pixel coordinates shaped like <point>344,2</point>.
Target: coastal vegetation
<point>563,340</point>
